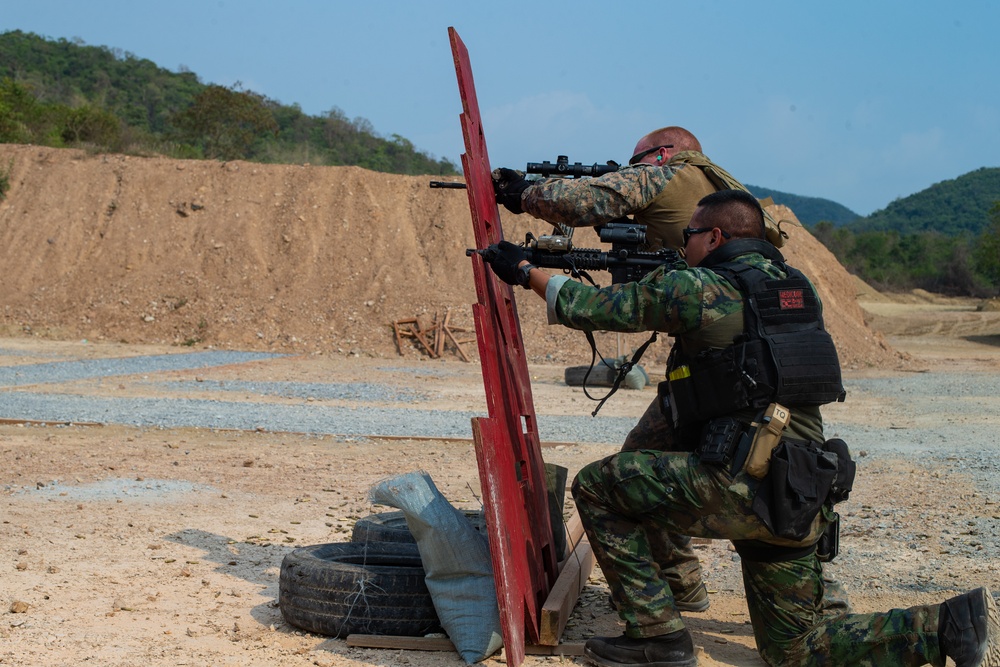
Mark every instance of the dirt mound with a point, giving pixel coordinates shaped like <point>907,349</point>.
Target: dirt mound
<point>275,257</point>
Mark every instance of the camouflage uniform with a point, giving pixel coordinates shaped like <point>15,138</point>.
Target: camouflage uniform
<point>626,499</point>
<point>660,197</point>
<point>663,198</point>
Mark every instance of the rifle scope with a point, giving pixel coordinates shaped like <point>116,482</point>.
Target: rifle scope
<point>562,167</point>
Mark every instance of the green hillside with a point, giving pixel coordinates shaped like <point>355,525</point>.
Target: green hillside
<point>957,206</point>
<point>809,210</point>
<point>64,93</point>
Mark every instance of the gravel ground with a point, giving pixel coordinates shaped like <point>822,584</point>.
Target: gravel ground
<point>56,372</point>
<point>170,510</point>
<point>55,403</point>
<point>940,424</point>
<point>926,412</point>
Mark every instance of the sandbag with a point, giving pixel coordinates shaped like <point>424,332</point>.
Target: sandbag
<point>456,559</point>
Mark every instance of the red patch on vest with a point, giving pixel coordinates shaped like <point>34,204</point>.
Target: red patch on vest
<point>791,299</point>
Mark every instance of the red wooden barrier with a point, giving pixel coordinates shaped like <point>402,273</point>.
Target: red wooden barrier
<point>508,453</point>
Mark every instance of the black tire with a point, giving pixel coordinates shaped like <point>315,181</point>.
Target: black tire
<point>350,587</point>
<point>391,527</point>
<point>600,376</point>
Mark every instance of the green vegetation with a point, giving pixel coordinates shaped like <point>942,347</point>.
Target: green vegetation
<point>957,206</point>
<point>5,179</point>
<point>960,264</point>
<point>986,254</point>
<point>943,239</point>
<point>809,210</point>
<point>65,94</point>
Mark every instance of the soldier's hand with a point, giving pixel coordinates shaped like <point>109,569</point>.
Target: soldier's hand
<point>508,184</point>
<point>503,258</point>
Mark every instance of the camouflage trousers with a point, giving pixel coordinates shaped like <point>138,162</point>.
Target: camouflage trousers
<point>678,563</point>
<point>625,498</point>
<point>673,554</point>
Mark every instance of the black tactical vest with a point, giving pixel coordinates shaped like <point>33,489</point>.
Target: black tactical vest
<point>784,354</point>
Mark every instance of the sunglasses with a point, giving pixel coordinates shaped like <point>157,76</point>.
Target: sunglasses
<point>688,232</point>
<point>638,156</point>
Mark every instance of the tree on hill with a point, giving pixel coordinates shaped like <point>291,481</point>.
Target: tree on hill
<point>225,123</point>
<point>175,114</point>
<point>987,250</point>
<point>67,72</point>
<point>955,206</point>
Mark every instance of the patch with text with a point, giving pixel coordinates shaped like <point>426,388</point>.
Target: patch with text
<point>791,299</point>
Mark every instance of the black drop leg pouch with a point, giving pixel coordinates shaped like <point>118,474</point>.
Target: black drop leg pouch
<point>795,489</point>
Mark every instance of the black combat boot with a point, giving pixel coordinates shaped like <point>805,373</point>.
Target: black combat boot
<point>969,629</point>
<point>671,650</point>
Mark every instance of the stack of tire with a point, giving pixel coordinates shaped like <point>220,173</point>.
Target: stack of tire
<point>372,585</point>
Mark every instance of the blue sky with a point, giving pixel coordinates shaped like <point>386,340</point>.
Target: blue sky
<point>860,102</point>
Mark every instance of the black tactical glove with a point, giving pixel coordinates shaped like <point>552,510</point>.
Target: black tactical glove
<point>503,258</point>
<point>508,184</point>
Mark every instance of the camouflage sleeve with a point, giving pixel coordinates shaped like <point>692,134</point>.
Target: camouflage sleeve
<point>585,202</point>
<point>669,300</point>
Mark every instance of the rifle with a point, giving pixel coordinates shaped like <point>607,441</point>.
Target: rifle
<point>626,261</point>
<point>562,168</point>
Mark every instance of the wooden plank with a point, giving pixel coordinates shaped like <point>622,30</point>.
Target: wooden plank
<point>396,642</point>
<point>561,649</point>
<point>574,531</point>
<point>399,338</point>
<point>423,341</point>
<point>399,642</point>
<point>458,344</point>
<point>564,594</point>
<point>438,329</point>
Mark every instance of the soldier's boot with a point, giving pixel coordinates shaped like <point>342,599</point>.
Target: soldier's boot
<point>969,629</point>
<point>670,650</point>
<point>694,599</point>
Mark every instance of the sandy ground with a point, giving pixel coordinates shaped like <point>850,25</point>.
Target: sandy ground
<point>157,547</point>
<point>128,547</point>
